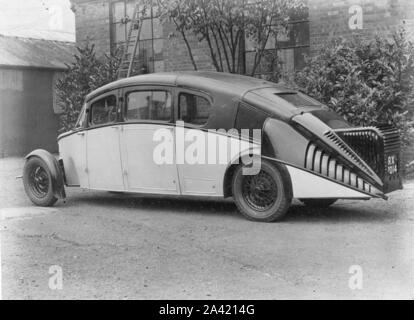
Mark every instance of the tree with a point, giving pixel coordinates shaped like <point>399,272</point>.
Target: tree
<point>225,24</point>
<point>85,74</point>
<point>367,82</point>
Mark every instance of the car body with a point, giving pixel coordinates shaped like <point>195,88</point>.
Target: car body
<point>306,151</point>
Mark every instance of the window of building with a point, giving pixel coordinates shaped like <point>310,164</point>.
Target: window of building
<point>103,111</point>
<point>149,55</point>
<point>149,105</point>
<point>194,109</point>
<point>291,46</point>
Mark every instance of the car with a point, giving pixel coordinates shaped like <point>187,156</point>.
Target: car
<point>216,135</point>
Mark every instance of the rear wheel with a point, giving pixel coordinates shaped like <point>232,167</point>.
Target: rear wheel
<point>37,181</point>
<point>318,203</point>
<point>263,197</point>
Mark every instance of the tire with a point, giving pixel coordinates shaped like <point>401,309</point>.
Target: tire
<point>318,203</point>
<point>37,181</point>
<point>265,197</point>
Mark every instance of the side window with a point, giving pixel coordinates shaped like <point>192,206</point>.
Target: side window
<point>193,109</point>
<point>249,117</point>
<point>103,111</point>
<point>149,105</point>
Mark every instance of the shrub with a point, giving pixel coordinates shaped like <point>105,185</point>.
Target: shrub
<point>367,82</point>
<point>85,74</point>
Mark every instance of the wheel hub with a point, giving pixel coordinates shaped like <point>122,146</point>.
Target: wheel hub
<point>39,181</point>
<point>260,191</point>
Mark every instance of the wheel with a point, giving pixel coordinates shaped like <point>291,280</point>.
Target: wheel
<point>264,197</point>
<point>318,203</point>
<point>37,182</point>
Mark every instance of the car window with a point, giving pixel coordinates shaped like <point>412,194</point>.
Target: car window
<point>103,111</point>
<point>249,117</point>
<point>298,99</point>
<point>194,109</point>
<point>149,105</point>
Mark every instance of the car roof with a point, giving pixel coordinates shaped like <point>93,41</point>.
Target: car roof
<point>209,81</point>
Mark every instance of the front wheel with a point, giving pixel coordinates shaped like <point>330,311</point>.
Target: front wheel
<point>263,197</point>
<point>37,181</point>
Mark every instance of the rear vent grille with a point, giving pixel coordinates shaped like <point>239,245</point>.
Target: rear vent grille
<point>323,163</point>
<point>347,150</point>
<point>379,147</point>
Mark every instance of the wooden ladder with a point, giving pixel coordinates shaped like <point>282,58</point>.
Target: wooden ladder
<point>132,41</point>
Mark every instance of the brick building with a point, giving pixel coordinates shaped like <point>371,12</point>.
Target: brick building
<point>162,49</point>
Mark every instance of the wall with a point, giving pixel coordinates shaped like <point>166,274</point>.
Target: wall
<point>27,119</point>
<point>365,18</point>
<point>328,19</point>
<point>93,23</point>
<point>176,57</point>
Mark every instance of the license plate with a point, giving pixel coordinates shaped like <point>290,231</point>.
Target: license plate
<point>392,164</point>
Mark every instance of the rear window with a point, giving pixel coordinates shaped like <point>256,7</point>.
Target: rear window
<point>298,99</point>
<point>193,109</point>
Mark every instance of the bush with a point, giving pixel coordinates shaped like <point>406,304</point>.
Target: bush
<point>367,82</point>
<point>85,74</point>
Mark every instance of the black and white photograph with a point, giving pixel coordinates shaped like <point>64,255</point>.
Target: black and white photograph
<point>206,154</point>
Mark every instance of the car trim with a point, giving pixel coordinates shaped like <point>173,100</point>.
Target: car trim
<point>326,178</point>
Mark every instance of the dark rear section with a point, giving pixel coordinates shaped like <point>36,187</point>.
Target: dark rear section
<point>380,148</point>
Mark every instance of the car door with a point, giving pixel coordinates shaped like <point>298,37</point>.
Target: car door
<point>197,162</point>
<point>104,166</point>
<point>205,154</point>
<point>148,114</point>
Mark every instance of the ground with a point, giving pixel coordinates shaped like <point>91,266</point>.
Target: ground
<point>126,247</point>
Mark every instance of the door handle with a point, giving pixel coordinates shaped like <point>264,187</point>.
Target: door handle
<point>81,133</point>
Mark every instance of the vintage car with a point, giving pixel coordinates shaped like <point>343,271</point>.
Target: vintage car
<point>158,133</point>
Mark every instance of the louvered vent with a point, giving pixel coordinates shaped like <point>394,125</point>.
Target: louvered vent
<point>323,163</point>
<point>379,147</point>
<point>347,150</point>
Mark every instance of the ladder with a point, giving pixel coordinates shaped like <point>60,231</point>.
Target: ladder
<point>132,41</point>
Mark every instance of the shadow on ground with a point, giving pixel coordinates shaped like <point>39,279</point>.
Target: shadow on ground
<point>342,211</point>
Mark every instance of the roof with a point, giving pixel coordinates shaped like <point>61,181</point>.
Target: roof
<point>34,33</point>
<point>207,81</point>
<point>35,53</point>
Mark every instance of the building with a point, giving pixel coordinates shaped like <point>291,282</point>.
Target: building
<point>161,49</point>
<point>28,112</point>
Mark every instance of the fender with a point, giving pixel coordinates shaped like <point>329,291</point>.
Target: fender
<point>58,185</point>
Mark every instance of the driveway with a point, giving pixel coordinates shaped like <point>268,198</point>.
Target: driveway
<point>102,245</point>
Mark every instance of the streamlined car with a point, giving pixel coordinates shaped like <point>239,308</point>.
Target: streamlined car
<point>210,134</point>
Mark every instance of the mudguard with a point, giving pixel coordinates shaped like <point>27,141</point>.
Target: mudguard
<point>57,175</point>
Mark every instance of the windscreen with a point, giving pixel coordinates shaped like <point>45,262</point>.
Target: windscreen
<point>80,123</point>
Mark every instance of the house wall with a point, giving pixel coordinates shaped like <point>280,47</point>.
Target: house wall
<point>365,18</point>
<point>93,18</point>
<point>176,56</point>
<point>93,23</point>
<point>27,119</point>
<point>328,19</point>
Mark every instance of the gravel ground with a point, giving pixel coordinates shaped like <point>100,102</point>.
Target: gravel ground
<point>111,246</point>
